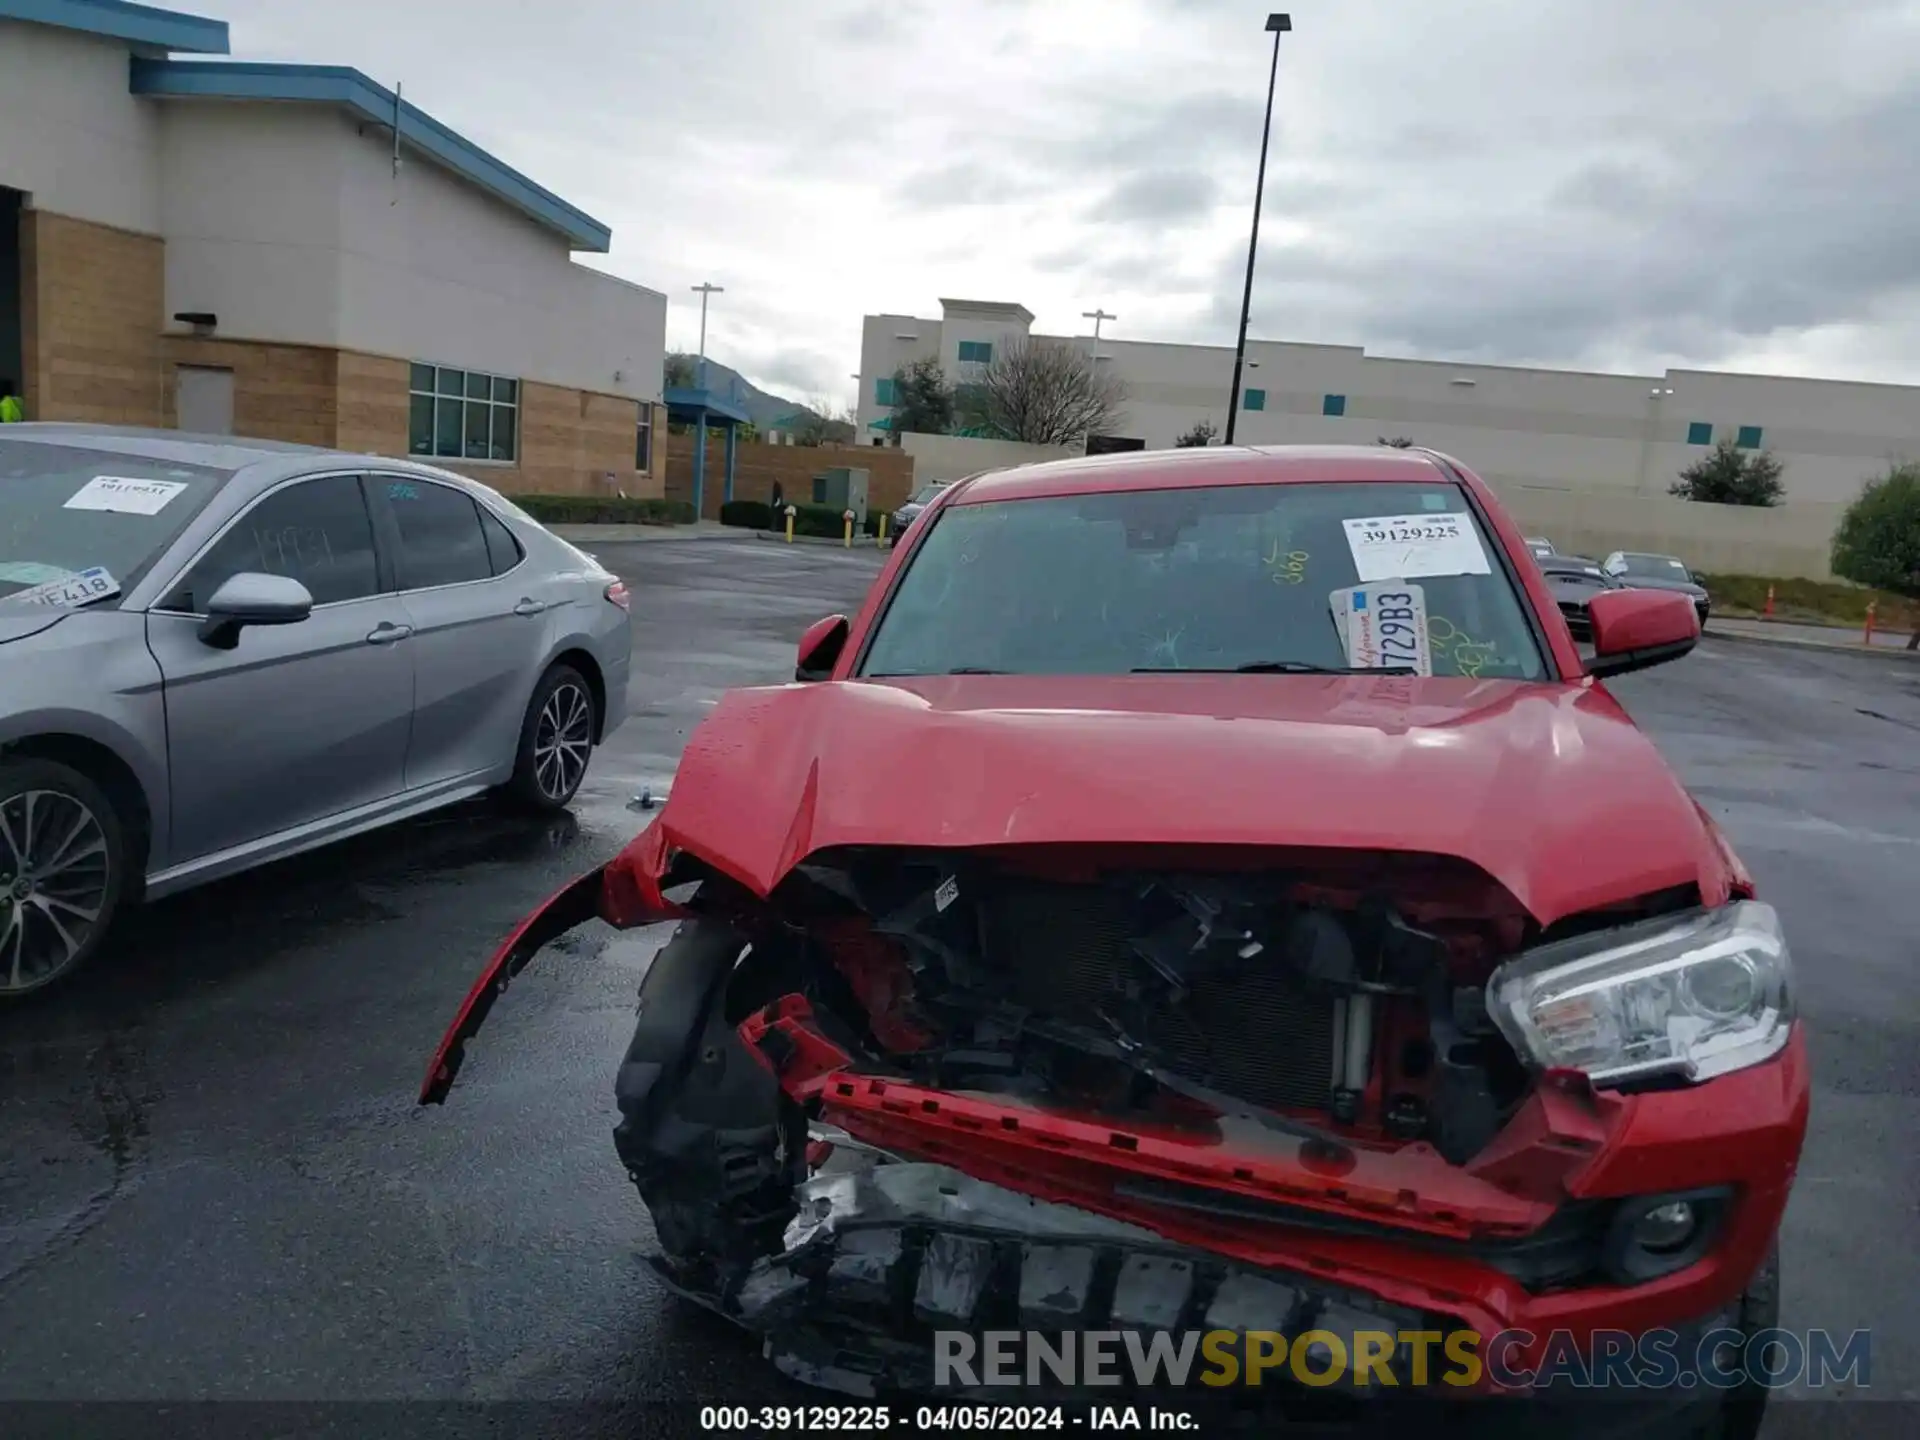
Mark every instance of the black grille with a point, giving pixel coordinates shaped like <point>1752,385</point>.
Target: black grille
<point>1256,1033</point>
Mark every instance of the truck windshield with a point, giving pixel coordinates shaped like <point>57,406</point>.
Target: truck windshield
<point>1203,578</point>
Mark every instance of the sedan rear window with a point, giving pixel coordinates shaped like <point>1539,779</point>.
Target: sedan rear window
<point>1203,578</point>
<point>65,510</point>
<point>1653,567</point>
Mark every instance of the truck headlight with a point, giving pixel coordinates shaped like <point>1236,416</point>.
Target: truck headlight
<point>1695,995</point>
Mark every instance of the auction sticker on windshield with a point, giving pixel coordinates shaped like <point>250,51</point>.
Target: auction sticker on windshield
<point>1405,547</point>
<point>79,589</point>
<point>123,496</point>
<point>1385,626</point>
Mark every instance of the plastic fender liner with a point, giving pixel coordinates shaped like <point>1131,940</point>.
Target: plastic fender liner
<point>578,903</point>
<point>702,1114</point>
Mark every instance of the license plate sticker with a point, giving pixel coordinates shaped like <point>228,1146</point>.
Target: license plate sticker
<point>1385,626</point>
<point>77,589</point>
<point>1406,547</point>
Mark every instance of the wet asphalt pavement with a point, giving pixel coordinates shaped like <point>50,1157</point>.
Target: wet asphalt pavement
<point>214,1182</point>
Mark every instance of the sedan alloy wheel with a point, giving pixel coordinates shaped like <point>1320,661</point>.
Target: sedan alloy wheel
<point>563,741</point>
<point>56,877</point>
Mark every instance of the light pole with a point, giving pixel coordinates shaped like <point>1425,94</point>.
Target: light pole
<point>704,291</point>
<point>1277,25</point>
<point>1096,316</point>
<point>1655,411</point>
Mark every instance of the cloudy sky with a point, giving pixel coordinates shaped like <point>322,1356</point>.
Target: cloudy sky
<point>1608,184</point>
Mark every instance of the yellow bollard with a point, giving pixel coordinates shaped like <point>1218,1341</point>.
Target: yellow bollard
<point>882,541</point>
<point>846,539</point>
<point>791,512</point>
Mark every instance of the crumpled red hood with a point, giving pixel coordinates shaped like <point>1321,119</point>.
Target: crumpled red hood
<point>1548,788</point>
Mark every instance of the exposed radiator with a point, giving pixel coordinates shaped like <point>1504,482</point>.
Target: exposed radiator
<point>1255,1034</point>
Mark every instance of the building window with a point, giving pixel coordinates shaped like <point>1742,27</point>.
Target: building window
<point>462,414</point>
<point>1749,437</point>
<point>1330,405</point>
<point>883,392</point>
<point>1254,400</point>
<point>643,444</point>
<point>1700,432</point>
<point>976,352</point>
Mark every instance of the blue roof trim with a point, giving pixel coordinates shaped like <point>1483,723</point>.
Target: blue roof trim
<point>117,20</point>
<point>686,404</point>
<point>348,88</point>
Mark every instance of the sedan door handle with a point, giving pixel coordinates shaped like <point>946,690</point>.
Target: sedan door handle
<point>386,633</point>
<point>530,607</point>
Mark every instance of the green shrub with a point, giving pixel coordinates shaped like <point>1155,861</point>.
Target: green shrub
<point>823,520</point>
<point>603,510</point>
<point>749,514</point>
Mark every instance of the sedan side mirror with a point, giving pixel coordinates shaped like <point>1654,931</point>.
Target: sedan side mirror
<point>250,598</point>
<point>820,648</point>
<point>1635,629</point>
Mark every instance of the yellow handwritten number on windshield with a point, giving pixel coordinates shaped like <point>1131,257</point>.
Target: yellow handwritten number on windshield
<point>1469,656</point>
<point>1289,568</point>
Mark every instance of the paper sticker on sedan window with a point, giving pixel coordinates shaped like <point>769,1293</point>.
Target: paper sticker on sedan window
<point>1385,626</point>
<point>122,496</point>
<point>30,572</point>
<point>1406,547</point>
<point>80,589</point>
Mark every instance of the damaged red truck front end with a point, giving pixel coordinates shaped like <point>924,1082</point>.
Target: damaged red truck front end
<point>1195,1001</point>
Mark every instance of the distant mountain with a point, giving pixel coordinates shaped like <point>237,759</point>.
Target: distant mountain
<point>764,409</point>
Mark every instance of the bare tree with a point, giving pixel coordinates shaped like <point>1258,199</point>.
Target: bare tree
<point>823,421</point>
<point>1043,392</point>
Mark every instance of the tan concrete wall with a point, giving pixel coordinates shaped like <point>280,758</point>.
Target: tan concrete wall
<point>954,457</point>
<point>1789,541</point>
<point>91,300</point>
<point>890,472</point>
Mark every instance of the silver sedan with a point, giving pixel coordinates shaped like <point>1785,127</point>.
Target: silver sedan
<point>217,653</point>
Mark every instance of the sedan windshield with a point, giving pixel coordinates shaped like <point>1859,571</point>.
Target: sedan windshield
<point>1653,567</point>
<point>1216,578</point>
<point>65,511</point>
<point>925,494</point>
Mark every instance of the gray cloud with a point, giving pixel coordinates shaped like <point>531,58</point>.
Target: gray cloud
<point>1156,196</point>
<point>965,182</point>
<point>1540,180</point>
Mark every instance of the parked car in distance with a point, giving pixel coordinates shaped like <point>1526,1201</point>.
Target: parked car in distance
<point>1214,919</point>
<point>1573,581</point>
<point>1540,546</point>
<point>1658,572</point>
<point>215,653</point>
<point>915,503</point>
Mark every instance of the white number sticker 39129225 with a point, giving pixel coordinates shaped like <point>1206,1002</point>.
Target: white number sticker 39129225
<point>1385,626</point>
<point>1406,547</point>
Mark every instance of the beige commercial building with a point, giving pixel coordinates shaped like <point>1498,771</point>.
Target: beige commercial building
<point>294,252</point>
<point>1587,454</point>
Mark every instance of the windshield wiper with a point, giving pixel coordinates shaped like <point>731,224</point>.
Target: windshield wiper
<point>1274,667</point>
